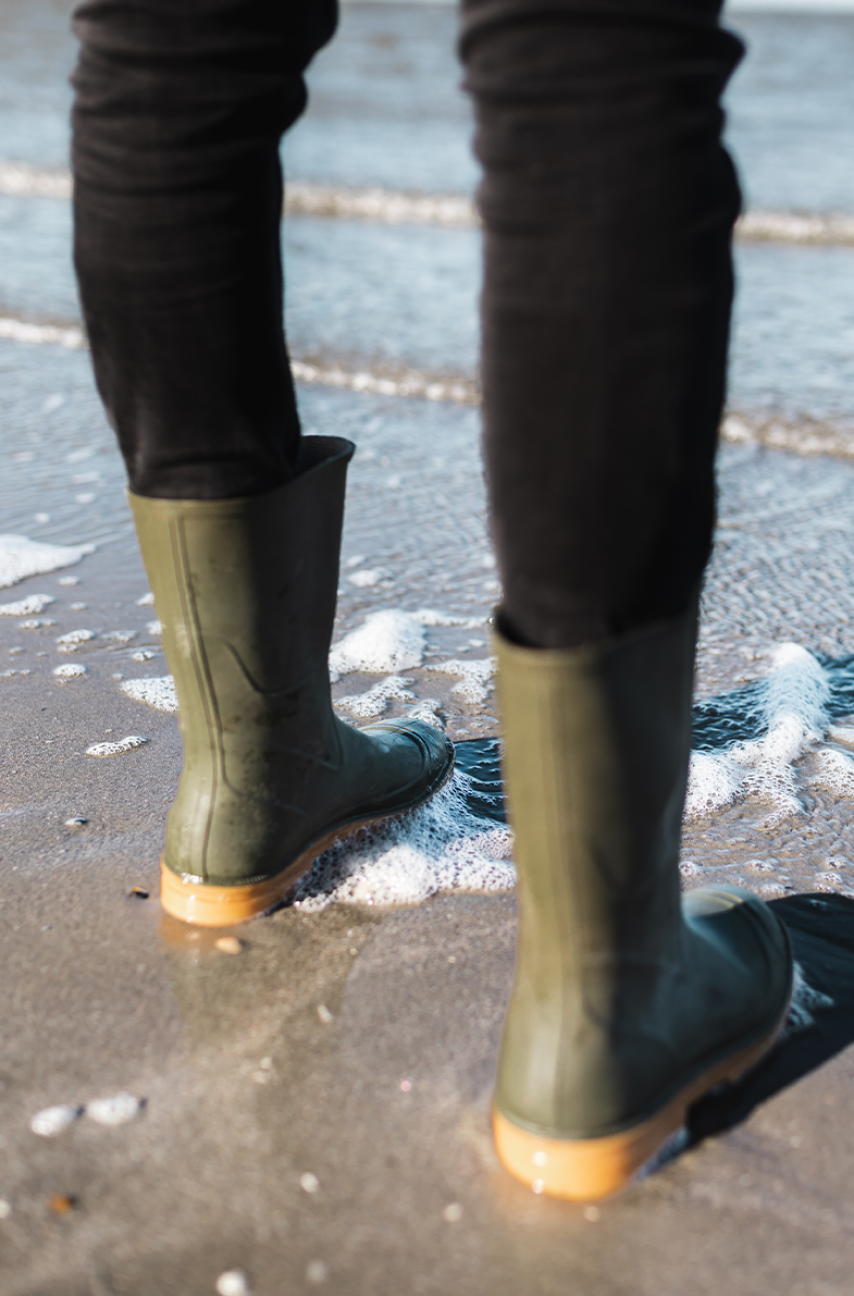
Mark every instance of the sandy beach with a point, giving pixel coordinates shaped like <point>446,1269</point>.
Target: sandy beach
<point>306,1103</point>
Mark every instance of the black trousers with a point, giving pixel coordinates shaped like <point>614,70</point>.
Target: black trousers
<point>608,204</point>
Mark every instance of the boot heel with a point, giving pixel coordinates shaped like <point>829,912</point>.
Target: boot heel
<point>587,1170</point>
<point>197,902</point>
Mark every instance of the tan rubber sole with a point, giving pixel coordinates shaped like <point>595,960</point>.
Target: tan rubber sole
<point>204,905</point>
<point>587,1170</point>
<point>217,906</point>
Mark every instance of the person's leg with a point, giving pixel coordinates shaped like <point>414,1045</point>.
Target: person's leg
<point>608,205</point>
<point>177,121</point>
<point>178,114</point>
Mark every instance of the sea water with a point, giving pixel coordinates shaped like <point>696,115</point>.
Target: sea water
<point>383,265</point>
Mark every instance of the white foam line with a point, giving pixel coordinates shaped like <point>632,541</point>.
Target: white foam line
<point>819,229</point>
<point>803,436</point>
<point>68,336</point>
<point>453,211</point>
<point>21,557</point>
<point>34,182</point>
<point>408,382</point>
<point>384,206</point>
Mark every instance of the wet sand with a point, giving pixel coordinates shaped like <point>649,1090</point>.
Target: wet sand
<point>383,1096</point>
<point>315,1105</point>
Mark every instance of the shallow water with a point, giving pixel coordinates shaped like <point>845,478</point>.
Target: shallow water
<point>377,306</point>
<point>387,109</point>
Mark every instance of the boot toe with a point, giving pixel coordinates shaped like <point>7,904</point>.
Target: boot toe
<point>432,751</point>
<point>747,932</point>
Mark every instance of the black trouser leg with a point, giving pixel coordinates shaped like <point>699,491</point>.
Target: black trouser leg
<point>608,204</point>
<point>180,106</point>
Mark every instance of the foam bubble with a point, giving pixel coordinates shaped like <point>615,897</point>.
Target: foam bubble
<point>713,782</point>
<point>157,692</point>
<point>70,671</point>
<point>475,677</point>
<point>70,642</point>
<point>119,636</point>
<point>154,628</point>
<point>835,772</point>
<point>128,744</point>
<point>428,710</point>
<point>21,557</point>
<point>147,600</point>
<point>386,642</point>
<point>369,576</point>
<point>7,674</point>
<point>34,623</point>
<point>376,699</point>
<point>440,847</point>
<point>29,606</point>
<point>794,699</point>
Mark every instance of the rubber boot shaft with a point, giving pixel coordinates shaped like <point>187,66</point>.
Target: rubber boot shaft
<point>245,590</point>
<point>622,991</point>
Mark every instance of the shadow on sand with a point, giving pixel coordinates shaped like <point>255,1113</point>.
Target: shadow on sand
<point>822,931</point>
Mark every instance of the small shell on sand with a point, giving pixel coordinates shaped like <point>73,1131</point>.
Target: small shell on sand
<point>62,1203</point>
<point>53,1120</point>
<point>233,1282</point>
<point>128,744</point>
<point>230,944</point>
<point>115,1111</point>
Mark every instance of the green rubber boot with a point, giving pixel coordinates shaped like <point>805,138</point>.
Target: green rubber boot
<point>245,590</point>
<point>629,1001</point>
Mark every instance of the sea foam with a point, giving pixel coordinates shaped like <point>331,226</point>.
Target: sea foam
<point>439,848</point>
<point>386,643</point>
<point>158,692</point>
<point>794,704</point>
<point>21,557</point>
<point>26,607</point>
